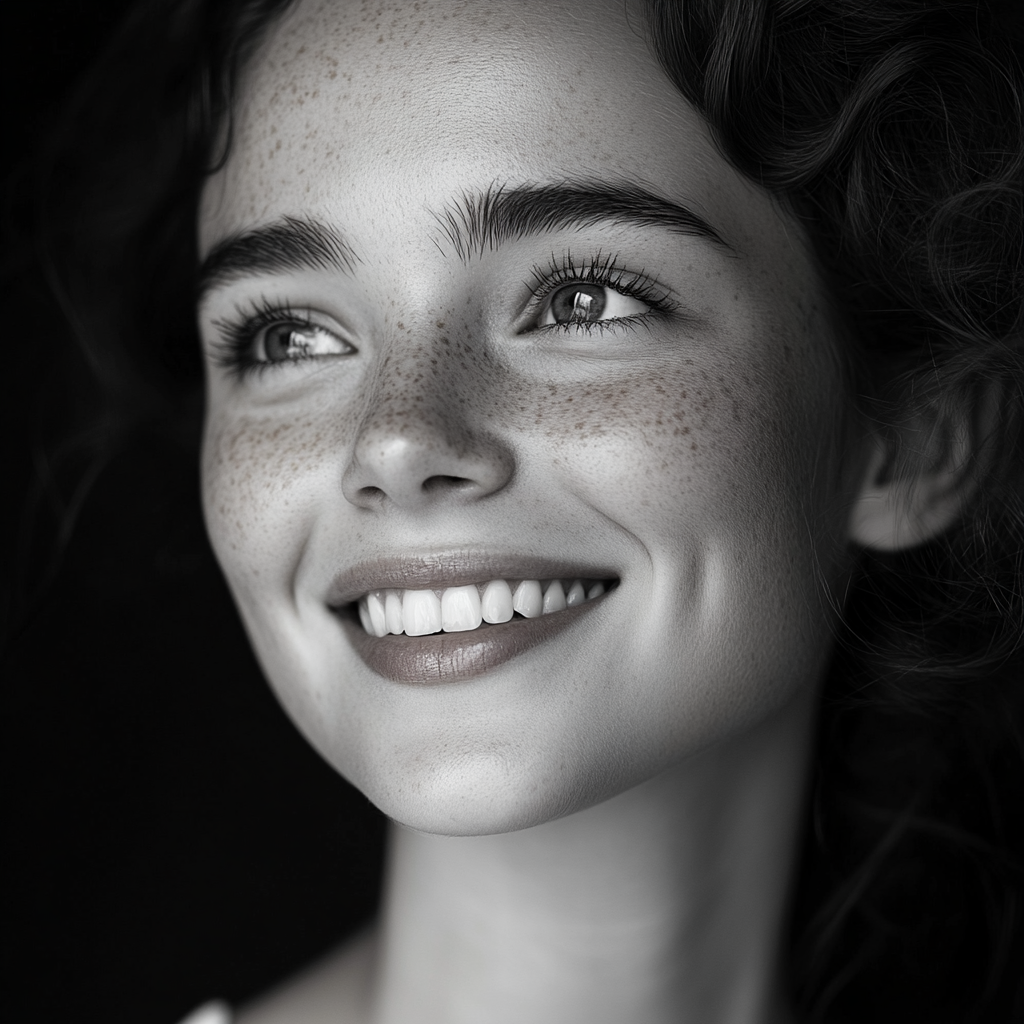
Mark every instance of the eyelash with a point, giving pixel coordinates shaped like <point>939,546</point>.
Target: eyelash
<point>233,348</point>
<point>602,271</point>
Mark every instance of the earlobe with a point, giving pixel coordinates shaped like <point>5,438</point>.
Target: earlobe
<point>912,492</point>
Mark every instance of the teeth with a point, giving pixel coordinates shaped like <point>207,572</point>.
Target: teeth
<point>554,598</point>
<point>421,612</point>
<point>496,603</point>
<point>375,605</point>
<point>364,615</point>
<point>527,599</point>
<point>393,612</point>
<point>460,609</point>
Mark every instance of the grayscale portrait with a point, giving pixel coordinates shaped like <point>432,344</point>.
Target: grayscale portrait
<point>520,513</point>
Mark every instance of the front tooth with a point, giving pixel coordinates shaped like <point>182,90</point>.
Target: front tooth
<point>364,616</point>
<point>421,612</point>
<point>375,606</point>
<point>393,611</point>
<point>527,600</point>
<point>496,604</point>
<point>554,598</point>
<point>595,591</point>
<point>460,609</point>
<point>576,595</point>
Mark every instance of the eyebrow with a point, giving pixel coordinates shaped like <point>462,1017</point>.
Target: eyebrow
<point>472,224</point>
<point>291,243</point>
<point>482,221</point>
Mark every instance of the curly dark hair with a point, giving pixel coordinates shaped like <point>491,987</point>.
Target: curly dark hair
<point>893,130</point>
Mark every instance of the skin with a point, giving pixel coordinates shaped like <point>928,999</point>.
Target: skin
<point>626,796</point>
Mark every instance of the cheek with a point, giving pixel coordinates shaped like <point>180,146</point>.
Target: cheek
<point>742,439</point>
<point>257,502</point>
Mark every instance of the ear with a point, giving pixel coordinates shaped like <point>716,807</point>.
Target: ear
<point>919,479</point>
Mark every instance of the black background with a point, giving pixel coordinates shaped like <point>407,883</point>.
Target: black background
<point>170,836</point>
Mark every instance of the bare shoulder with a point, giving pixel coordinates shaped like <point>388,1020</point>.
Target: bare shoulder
<point>334,990</point>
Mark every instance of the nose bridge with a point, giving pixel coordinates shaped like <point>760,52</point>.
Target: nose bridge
<point>419,439</point>
<point>418,392</point>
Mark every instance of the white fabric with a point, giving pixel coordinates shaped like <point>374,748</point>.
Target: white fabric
<point>214,1012</point>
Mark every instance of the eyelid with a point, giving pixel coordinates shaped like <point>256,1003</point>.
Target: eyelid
<point>604,270</point>
<point>232,349</point>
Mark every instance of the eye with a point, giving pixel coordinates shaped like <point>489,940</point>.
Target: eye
<point>294,340</point>
<point>585,303</point>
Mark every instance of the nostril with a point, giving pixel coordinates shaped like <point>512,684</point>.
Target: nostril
<point>446,483</point>
<point>405,473</point>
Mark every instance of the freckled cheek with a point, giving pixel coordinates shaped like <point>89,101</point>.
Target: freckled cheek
<point>665,448</point>
<point>618,443</point>
<point>259,480</point>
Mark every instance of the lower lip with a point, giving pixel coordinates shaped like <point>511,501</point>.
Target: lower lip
<point>450,657</point>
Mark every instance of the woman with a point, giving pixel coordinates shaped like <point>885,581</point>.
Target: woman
<point>603,401</point>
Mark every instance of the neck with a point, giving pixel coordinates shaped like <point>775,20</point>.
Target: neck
<point>665,903</point>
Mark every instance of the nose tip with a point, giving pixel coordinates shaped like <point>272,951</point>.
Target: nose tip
<point>427,435</point>
<point>417,468</point>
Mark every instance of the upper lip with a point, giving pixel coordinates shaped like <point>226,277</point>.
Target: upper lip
<point>439,569</point>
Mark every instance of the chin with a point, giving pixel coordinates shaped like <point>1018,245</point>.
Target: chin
<point>480,794</point>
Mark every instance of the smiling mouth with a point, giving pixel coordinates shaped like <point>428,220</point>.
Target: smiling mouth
<point>451,615</point>
<point>464,609</point>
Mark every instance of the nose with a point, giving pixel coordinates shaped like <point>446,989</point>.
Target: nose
<point>422,440</point>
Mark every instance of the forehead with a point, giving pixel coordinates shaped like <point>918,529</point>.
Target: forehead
<point>358,112</point>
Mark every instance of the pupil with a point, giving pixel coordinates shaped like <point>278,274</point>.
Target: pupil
<point>281,341</point>
<point>577,303</point>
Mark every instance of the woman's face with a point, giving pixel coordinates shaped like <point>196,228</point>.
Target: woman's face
<point>500,311</point>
